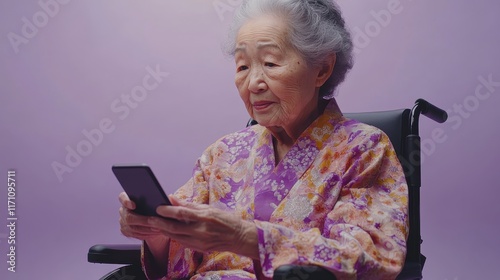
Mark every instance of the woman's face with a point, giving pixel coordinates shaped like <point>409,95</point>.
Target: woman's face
<point>277,86</point>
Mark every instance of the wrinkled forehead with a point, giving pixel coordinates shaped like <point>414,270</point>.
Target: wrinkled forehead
<point>266,32</point>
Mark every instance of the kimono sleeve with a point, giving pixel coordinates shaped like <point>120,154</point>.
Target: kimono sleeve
<point>364,235</point>
<point>182,261</point>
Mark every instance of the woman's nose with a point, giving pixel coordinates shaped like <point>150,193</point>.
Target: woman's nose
<point>257,82</point>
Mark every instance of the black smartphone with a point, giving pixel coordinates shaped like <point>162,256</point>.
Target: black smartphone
<point>142,188</point>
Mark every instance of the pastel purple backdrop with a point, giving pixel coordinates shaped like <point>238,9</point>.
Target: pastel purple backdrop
<point>65,65</point>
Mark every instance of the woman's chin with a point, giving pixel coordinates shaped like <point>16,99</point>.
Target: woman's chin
<point>271,126</point>
<point>266,119</point>
<point>263,122</point>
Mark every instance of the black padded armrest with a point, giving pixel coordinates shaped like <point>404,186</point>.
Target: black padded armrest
<point>412,270</point>
<point>289,272</point>
<point>115,254</point>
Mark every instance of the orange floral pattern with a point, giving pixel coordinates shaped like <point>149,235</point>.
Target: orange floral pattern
<point>338,200</point>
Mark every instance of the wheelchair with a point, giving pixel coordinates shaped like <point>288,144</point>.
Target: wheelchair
<point>402,128</point>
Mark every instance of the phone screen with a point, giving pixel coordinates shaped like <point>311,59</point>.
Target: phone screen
<point>142,187</point>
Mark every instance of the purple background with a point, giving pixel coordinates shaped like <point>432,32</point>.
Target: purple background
<point>65,78</point>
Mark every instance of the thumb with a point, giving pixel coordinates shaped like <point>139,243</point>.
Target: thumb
<point>179,202</point>
<point>175,201</point>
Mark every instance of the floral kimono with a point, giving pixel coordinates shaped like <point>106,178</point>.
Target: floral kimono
<point>338,199</point>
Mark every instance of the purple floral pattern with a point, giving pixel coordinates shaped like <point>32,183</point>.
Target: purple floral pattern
<point>338,199</point>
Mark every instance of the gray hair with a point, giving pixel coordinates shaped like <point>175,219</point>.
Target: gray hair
<point>317,30</point>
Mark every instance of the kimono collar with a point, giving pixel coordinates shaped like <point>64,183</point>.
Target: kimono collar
<point>272,183</point>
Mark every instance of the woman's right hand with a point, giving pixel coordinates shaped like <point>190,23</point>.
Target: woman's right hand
<point>136,226</point>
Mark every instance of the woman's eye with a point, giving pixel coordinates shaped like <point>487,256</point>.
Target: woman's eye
<point>270,64</point>
<point>241,68</point>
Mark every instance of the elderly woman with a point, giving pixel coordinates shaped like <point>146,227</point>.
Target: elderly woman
<point>304,186</point>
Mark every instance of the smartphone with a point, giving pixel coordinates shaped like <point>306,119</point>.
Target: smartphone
<point>142,187</point>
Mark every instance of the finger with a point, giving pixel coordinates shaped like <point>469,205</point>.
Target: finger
<point>174,200</point>
<point>179,202</point>
<point>170,226</point>
<point>125,201</point>
<point>138,230</point>
<point>145,230</point>
<point>180,213</point>
<point>130,218</point>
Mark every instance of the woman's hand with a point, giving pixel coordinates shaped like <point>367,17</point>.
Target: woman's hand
<point>137,226</point>
<point>204,228</point>
<point>132,224</point>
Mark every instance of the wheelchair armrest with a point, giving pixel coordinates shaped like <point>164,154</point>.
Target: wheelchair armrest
<point>115,254</point>
<point>412,270</point>
<point>290,271</point>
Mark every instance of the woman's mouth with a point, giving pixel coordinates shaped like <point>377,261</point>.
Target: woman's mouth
<point>261,105</point>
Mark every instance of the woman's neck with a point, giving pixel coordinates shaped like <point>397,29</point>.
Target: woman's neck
<point>285,137</point>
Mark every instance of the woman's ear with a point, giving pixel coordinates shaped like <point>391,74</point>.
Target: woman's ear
<point>326,70</point>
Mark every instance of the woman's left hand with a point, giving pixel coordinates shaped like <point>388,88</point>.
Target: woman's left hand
<point>204,228</point>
